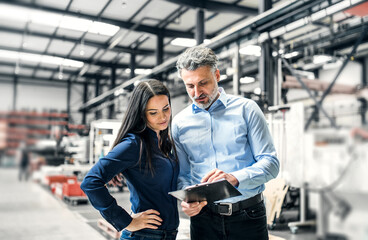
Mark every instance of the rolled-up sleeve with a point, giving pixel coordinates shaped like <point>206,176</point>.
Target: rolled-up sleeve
<point>121,157</point>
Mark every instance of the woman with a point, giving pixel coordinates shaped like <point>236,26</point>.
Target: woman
<point>145,154</point>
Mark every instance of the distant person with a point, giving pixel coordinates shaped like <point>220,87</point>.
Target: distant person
<point>144,153</point>
<point>24,160</point>
<point>221,136</point>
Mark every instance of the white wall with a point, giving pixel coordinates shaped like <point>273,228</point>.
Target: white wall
<point>351,75</point>
<point>179,103</point>
<point>6,96</point>
<point>41,98</point>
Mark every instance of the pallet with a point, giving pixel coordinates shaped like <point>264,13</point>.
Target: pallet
<point>273,237</point>
<point>274,193</point>
<point>108,229</point>
<point>75,200</point>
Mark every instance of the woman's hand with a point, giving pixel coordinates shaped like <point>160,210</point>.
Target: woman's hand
<point>146,219</point>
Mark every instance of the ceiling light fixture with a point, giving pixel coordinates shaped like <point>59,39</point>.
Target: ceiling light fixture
<point>257,91</point>
<point>251,50</point>
<point>223,77</point>
<point>247,80</point>
<point>30,57</point>
<point>187,42</point>
<point>291,55</point>
<point>16,13</point>
<point>139,71</point>
<point>319,59</point>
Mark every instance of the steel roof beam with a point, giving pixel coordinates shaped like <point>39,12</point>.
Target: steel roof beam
<point>217,6</point>
<point>41,79</point>
<point>119,23</point>
<point>86,42</point>
<point>86,61</point>
<point>67,71</point>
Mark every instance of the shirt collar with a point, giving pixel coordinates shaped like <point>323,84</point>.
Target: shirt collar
<point>221,101</point>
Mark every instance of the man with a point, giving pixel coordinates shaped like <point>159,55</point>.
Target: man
<point>222,136</point>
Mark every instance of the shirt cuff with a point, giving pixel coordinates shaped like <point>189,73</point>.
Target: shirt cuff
<point>241,175</point>
<point>120,219</point>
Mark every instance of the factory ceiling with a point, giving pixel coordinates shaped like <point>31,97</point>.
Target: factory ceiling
<point>78,41</point>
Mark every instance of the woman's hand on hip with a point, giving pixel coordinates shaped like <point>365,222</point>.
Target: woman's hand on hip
<point>146,219</point>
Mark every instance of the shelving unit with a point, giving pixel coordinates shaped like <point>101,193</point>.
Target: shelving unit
<point>31,127</point>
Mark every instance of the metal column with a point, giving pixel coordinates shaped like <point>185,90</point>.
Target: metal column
<point>264,5</point>
<point>132,65</point>
<point>160,48</point>
<point>85,99</point>
<point>15,86</point>
<point>266,65</point>
<point>266,73</point>
<point>199,31</point>
<point>364,104</point>
<point>236,67</point>
<point>365,72</point>
<point>112,85</point>
<point>68,96</point>
<point>97,92</point>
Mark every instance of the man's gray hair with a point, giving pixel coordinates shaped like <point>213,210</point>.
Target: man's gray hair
<point>196,57</point>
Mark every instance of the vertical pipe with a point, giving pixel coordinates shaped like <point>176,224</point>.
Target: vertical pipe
<point>236,67</point>
<point>365,72</point>
<point>85,98</point>
<point>266,68</point>
<point>132,65</point>
<point>159,48</point>
<point>97,92</point>
<point>68,97</point>
<point>15,87</point>
<point>199,31</point>
<point>112,85</point>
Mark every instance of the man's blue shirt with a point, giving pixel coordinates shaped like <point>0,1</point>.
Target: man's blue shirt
<point>146,191</point>
<point>232,136</point>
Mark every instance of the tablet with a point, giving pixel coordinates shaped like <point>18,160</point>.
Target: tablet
<point>209,192</point>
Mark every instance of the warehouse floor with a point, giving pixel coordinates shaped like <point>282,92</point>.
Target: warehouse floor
<point>28,211</point>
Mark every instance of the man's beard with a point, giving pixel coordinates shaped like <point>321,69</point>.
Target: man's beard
<point>211,99</point>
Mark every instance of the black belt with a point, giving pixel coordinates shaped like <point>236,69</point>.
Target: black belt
<point>228,209</point>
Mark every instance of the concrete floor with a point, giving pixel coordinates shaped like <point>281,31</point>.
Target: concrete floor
<point>29,211</point>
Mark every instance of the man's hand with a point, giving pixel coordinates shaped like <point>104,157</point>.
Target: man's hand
<point>192,209</point>
<point>217,174</point>
<point>146,219</point>
<point>117,180</point>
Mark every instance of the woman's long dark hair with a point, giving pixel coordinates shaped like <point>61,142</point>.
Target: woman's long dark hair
<point>135,120</point>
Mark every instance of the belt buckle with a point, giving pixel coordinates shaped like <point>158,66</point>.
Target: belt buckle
<point>230,209</point>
